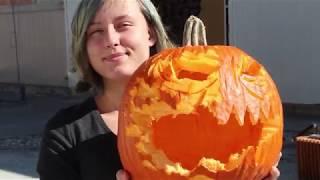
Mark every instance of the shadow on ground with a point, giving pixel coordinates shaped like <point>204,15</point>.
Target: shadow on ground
<point>293,124</point>
<point>21,126</point>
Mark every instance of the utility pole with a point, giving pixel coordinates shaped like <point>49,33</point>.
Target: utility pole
<point>20,84</point>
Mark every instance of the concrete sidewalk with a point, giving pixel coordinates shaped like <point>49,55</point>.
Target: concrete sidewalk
<point>21,125</point>
<point>18,164</point>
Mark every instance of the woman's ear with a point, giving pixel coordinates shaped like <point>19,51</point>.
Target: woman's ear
<point>152,37</point>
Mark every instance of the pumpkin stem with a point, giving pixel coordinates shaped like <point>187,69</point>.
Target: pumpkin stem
<point>194,32</point>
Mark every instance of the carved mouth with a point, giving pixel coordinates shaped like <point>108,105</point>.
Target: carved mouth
<point>198,140</point>
<point>183,143</point>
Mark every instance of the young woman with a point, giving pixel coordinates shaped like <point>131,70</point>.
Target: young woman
<point>111,38</point>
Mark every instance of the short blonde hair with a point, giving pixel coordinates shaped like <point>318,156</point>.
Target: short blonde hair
<point>84,14</point>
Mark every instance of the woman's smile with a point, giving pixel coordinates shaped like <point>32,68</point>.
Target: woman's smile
<point>115,57</point>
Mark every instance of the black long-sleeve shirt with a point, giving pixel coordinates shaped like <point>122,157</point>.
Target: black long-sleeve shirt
<point>77,145</point>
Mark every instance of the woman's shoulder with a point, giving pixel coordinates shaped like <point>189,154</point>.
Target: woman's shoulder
<point>75,124</point>
<point>71,114</point>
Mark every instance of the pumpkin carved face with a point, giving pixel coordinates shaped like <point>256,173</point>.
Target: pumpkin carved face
<point>200,112</point>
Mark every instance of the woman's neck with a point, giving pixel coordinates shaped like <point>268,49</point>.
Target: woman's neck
<point>109,100</point>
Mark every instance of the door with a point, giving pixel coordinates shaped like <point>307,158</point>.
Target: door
<point>8,54</point>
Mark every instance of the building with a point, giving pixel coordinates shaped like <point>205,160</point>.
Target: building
<point>282,35</point>
<point>33,43</point>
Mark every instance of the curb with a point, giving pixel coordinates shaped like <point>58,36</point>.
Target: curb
<point>29,142</point>
<point>17,93</point>
<point>301,109</point>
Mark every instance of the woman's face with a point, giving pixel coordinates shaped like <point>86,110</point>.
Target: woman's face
<point>118,39</point>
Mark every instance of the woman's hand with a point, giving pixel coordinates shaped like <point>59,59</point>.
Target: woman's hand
<point>122,175</point>
<point>274,173</point>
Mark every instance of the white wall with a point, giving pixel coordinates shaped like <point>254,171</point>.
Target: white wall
<point>284,36</point>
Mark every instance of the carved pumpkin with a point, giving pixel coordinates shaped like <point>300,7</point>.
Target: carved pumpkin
<point>198,113</point>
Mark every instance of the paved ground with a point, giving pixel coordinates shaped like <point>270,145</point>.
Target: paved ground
<point>21,124</point>
<point>293,125</point>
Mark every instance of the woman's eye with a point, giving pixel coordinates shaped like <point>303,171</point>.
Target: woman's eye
<point>94,32</point>
<point>123,26</point>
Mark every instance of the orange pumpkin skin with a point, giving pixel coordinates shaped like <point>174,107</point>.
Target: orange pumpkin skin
<point>198,113</point>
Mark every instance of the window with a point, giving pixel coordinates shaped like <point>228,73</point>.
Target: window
<point>28,2</point>
<point>15,2</point>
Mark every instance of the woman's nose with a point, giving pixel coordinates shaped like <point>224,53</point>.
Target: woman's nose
<point>112,38</point>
